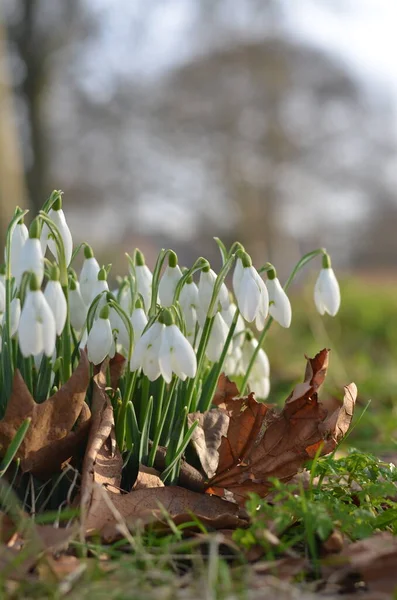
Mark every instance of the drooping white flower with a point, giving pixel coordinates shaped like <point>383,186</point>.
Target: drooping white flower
<point>232,364</point>
<point>228,316</point>
<point>2,297</point>
<point>119,329</point>
<point>37,330</point>
<point>55,297</point>
<point>15,312</point>
<point>99,286</point>
<point>88,275</point>
<point>144,279</point>
<point>169,280</point>
<point>77,306</point>
<point>205,291</point>
<point>279,304</point>
<point>217,338</point>
<point>176,355</point>
<point>31,258</point>
<point>189,302</point>
<point>125,299</point>
<point>258,379</point>
<point>326,290</point>
<point>18,238</point>
<point>146,352</point>
<point>139,321</point>
<point>100,343</point>
<point>57,215</point>
<point>250,291</point>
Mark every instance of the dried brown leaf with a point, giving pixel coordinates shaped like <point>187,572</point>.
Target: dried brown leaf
<point>225,390</point>
<point>262,443</point>
<point>52,421</point>
<point>147,478</point>
<point>143,505</point>
<point>207,436</point>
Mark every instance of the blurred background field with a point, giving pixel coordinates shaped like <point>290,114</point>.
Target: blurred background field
<point>167,122</point>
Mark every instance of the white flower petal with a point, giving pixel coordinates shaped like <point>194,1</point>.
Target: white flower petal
<point>31,259</point>
<point>88,278</point>
<point>78,308</point>
<point>280,306</point>
<point>327,292</point>
<point>99,341</point>
<point>58,217</point>
<point>168,283</point>
<point>55,297</point>
<point>144,279</point>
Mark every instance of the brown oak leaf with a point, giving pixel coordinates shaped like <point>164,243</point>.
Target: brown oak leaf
<point>49,440</point>
<point>263,443</point>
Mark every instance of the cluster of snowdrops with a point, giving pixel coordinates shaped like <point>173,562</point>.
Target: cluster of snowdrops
<point>177,328</point>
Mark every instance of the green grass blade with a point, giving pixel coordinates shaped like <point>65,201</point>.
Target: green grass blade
<point>14,446</point>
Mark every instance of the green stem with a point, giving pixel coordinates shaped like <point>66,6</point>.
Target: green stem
<point>299,265</point>
<point>205,401</point>
<point>66,341</point>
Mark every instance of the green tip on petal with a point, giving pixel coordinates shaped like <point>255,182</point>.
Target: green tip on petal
<point>206,267</point>
<point>102,275</point>
<point>172,259</point>
<point>326,261</point>
<point>57,205</point>
<point>166,317</point>
<point>246,260</point>
<point>35,229</point>
<point>189,280</point>
<point>54,273</point>
<point>72,284</point>
<point>104,314</point>
<point>139,303</point>
<point>139,258</point>
<point>34,285</point>
<point>88,252</point>
<point>249,335</point>
<point>272,273</point>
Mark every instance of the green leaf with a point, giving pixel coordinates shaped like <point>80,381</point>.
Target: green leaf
<point>14,446</point>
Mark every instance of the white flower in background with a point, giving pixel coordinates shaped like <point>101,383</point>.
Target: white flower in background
<point>77,306</point>
<point>57,216</point>
<point>232,364</point>
<point>88,275</point>
<point>279,306</point>
<point>31,258</point>
<point>146,352</point>
<point>205,291</point>
<point>144,279</point>
<point>2,297</point>
<point>326,290</point>
<point>169,280</point>
<point>189,301</point>
<point>18,238</point>
<point>258,379</point>
<point>15,312</point>
<point>139,320</point>
<point>100,343</point>
<point>55,297</point>
<point>125,299</point>
<point>176,355</point>
<point>119,329</point>
<point>217,338</point>
<point>250,291</point>
<point>228,316</point>
<point>99,286</point>
<point>36,330</point>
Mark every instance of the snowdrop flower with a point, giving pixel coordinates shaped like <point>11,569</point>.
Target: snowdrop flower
<point>250,290</point>
<point>205,291</point>
<point>228,316</point>
<point>99,286</point>
<point>15,315</point>
<point>176,355</point>
<point>189,301</point>
<point>57,216</point>
<point>258,379</point>
<point>326,290</point>
<point>2,297</point>
<point>169,280</point>
<point>232,364</point>
<point>138,320</point>
<point>18,238</point>
<point>125,299</point>
<point>77,306</point>
<point>55,297</point>
<point>31,257</point>
<point>146,353</point>
<point>89,274</point>
<point>100,339</point>
<point>144,279</point>
<point>37,329</point>
<point>280,306</point>
<point>217,338</point>
<point>119,329</point>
